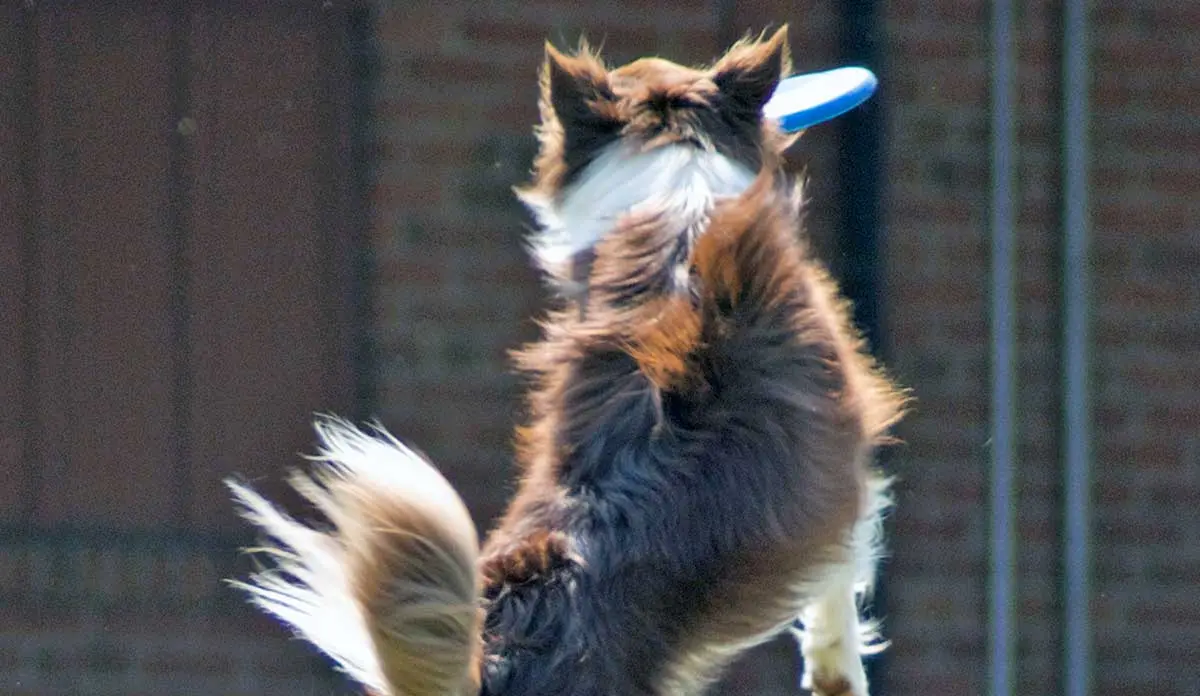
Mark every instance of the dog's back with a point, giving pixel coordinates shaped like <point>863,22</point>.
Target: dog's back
<point>697,460</point>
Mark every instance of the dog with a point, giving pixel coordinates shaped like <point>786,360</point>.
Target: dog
<point>697,464</point>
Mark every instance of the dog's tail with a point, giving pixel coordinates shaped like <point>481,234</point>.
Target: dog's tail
<point>391,591</point>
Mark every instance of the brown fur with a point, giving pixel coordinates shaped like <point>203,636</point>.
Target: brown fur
<point>700,426</point>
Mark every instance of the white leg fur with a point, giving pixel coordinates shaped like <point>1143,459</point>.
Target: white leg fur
<point>830,640</point>
<point>834,639</point>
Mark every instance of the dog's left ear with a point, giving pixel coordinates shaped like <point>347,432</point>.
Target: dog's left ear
<point>749,73</point>
<point>574,92</point>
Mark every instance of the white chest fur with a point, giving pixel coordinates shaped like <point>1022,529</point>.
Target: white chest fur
<point>681,180</point>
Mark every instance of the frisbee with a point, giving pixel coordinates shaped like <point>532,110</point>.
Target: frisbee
<point>805,100</point>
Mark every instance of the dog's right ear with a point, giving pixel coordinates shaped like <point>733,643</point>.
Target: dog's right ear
<point>575,93</point>
<point>749,73</point>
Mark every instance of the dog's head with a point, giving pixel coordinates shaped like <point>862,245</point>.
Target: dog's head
<point>650,133</point>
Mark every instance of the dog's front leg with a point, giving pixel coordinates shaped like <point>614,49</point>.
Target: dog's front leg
<point>830,639</point>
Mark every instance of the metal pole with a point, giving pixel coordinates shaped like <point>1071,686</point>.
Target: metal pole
<point>1076,435</point>
<point>1003,303</point>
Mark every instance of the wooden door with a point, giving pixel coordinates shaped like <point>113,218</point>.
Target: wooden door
<point>182,245</point>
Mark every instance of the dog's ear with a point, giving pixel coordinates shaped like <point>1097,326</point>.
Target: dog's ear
<point>575,92</point>
<point>749,73</point>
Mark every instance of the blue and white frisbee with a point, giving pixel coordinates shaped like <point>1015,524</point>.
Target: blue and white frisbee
<point>805,100</point>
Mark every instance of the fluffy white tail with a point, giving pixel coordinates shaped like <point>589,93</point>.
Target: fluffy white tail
<point>391,591</point>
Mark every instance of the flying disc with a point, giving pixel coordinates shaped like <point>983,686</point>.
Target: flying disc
<point>805,100</point>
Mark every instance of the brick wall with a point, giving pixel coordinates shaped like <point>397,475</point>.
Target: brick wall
<point>139,616</point>
<point>936,321</point>
<point>1145,256</point>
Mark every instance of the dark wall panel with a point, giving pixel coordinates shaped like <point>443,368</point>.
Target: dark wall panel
<point>257,251</point>
<point>15,237</point>
<point>176,255</point>
<point>103,309</point>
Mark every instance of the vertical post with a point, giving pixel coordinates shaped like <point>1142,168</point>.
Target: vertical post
<point>1077,434</point>
<point>1001,528</point>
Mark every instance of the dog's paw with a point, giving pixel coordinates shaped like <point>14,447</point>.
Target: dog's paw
<point>838,686</point>
<point>833,670</point>
<point>831,685</point>
<point>524,560</point>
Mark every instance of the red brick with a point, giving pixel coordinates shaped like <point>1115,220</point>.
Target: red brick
<point>406,195</point>
<point>187,665</point>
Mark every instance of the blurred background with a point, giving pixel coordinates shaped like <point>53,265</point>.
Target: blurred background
<point>218,218</point>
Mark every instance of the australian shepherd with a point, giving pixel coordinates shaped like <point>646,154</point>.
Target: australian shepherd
<point>697,461</point>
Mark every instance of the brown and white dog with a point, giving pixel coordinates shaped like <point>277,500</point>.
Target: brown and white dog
<point>698,462</point>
